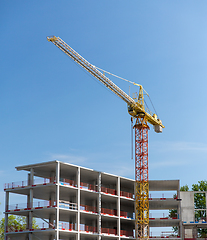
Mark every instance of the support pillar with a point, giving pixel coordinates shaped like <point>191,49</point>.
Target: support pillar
<point>52,216</point>
<point>52,177</point>
<point>6,214</point>
<point>195,232</point>
<point>57,199</point>
<point>99,206</point>
<point>180,227</point>
<point>78,203</point>
<point>51,220</point>
<point>52,199</point>
<point>30,200</point>
<point>118,207</point>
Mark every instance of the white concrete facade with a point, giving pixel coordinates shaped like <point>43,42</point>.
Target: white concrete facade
<point>76,203</point>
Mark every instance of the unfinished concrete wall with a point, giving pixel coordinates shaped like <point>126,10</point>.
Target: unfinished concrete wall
<point>187,210</point>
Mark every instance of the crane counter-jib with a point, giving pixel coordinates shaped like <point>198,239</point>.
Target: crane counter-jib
<point>134,108</point>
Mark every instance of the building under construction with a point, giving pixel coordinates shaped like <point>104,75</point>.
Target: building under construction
<point>76,203</point>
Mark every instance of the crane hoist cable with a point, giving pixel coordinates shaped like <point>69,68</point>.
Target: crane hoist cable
<point>126,80</point>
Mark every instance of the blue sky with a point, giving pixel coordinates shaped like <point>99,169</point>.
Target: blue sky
<point>52,109</point>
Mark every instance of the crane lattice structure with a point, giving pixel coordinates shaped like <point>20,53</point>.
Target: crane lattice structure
<point>136,109</point>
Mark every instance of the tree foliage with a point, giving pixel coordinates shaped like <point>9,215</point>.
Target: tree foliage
<point>14,223</point>
<point>184,188</point>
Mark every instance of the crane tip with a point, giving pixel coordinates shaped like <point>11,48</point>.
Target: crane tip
<point>51,38</point>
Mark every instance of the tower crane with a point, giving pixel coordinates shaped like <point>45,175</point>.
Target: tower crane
<point>137,110</point>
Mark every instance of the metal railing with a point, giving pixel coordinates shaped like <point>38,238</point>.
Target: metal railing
<point>162,196</point>
<point>126,194</point>
<point>108,190</point>
<point>26,183</point>
<point>109,231</point>
<point>162,215</point>
<point>109,211</point>
<point>126,233</point>
<point>68,205</point>
<point>89,229</point>
<point>67,226</point>
<point>170,237</point>
<point>89,186</point>
<point>28,206</point>
<point>21,228</point>
<point>68,182</point>
<point>88,208</point>
<point>42,225</point>
<point>127,214</point>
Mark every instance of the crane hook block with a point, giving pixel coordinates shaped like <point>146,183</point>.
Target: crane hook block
<point>157,128</point>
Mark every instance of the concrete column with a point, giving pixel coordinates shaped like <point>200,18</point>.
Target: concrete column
<point>51,220</point>
<point>6,214</point>
<point>118,207</point>
<point>52,177</point>
<point>7,201</point>
<point>78,202</point>
<point>57,198</point>
<point>99,206</point>
<point>31,175</point>
<point>195,232</point>
<point>52,199</point>
<point>30,198</point>
<point>182,232</point>
<point>180,227</point>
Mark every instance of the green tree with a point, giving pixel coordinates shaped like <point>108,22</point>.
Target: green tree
<point>200,203</point>
<point>184,188</point>
<point>14,223</point>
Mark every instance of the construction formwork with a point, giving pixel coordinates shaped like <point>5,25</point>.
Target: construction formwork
<point>76,203</point>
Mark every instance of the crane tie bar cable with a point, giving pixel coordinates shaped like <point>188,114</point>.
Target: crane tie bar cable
<point>91,69</point>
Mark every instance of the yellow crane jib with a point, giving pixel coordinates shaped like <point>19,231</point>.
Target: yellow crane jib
<point>135,107</point>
